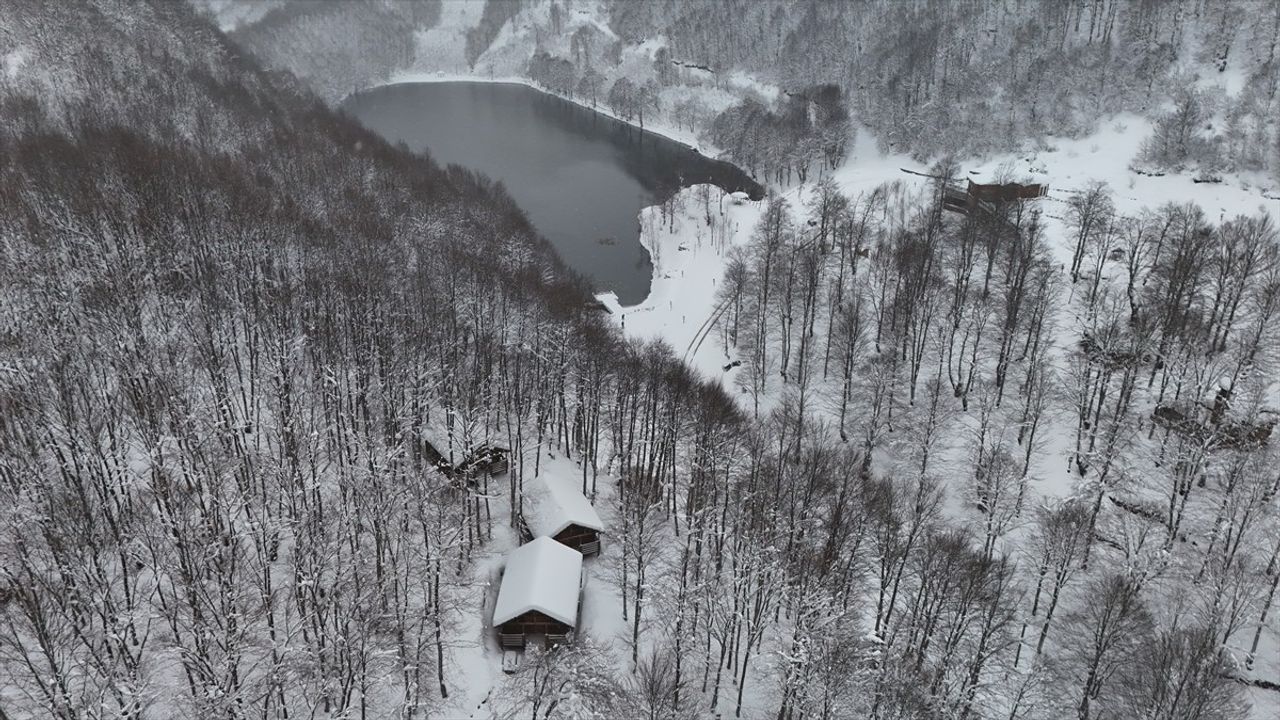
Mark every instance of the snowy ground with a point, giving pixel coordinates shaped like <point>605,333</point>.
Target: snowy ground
<point>688,266</point>
<point>690,248</point>
<point>681,300</point>
<point>476,682</point>
<point>231,14</point>
<point>690,255</point>
<point>12,63</point>
<point>474,661</point>
<point>443,46</point>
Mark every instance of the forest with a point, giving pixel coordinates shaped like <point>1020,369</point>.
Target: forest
<point>972,78</point>
<point>926,78</point>
<point>231,316</point>
<point>952,361</point>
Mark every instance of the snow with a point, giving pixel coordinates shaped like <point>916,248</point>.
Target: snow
<point>12,62</point>
<point>750,83</point>
<point>690,254</point>
<point>541,575</point>
<point>231,14</point>
<point>600,614</point>
<point>555,503</point>
<point>457,443</point>
<point>471,655</point>
<point>526,31</point>
<point>691,246</point>
<point>1230,81</point>
<point>1068,166</point>
<point>443,46</point>
<point>689,258</point>
<point>688,265</point>
<point>473,660</point>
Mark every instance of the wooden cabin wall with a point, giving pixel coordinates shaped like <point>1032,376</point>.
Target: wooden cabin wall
<point>534,622</point>
<point>575,536</point>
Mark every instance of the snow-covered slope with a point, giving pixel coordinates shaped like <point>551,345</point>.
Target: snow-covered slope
<point>442,48</point>
<point>689,254</point>
<point>691,242</point>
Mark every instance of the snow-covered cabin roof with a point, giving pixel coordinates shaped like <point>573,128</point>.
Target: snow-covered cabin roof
<point>541,575</point>
<point>553,503</point>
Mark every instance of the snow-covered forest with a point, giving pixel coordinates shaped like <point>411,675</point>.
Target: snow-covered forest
<point>878,446</point>
<point>928,79</point>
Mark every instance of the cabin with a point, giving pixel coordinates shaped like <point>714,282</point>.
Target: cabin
<point>447,454</point>
<point>1006,192</point>
<point>539,594</point>
<point>975,194</point>
<point>493,460</point>
<point>554,507</point>
<point>1211,426</point>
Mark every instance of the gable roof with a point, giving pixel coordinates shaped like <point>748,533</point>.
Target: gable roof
<point>553,503</point>
<point>541,575</point>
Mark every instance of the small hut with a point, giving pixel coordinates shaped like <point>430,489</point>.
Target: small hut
<point>539,593</point>
<point>554,507</point>
<point>974,195</point>
<point>491,459</point>
<point>462,460</point>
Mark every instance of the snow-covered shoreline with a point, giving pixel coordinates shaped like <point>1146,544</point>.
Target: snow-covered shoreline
<point>689,254</point>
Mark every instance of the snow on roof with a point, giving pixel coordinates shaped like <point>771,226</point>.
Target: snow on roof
<point>541,575</point>
<point>553,503</point>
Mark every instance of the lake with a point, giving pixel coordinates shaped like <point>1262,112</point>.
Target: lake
<point>580,176</point>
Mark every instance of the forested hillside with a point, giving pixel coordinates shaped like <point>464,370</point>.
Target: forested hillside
<point>339,47</point>
<point>964,361</point>
<point>928,79</point>
<point>1069,402</point>
<point>972,78</point>
<point>227,314</point>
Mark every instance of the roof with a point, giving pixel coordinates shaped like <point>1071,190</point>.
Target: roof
<point>541,575</point>
<point>553,503</point>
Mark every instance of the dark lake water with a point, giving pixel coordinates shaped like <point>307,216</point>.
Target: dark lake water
<point>582,177</point>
